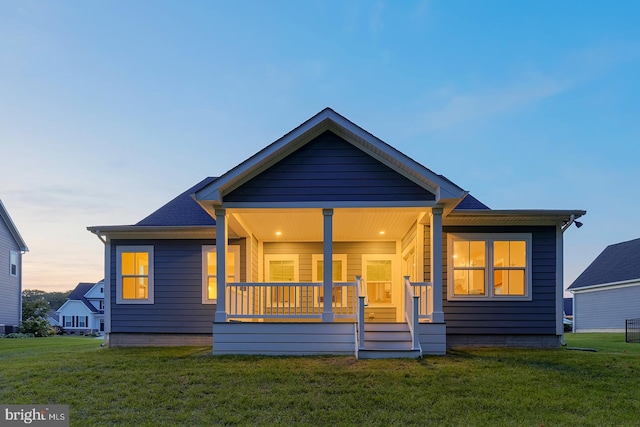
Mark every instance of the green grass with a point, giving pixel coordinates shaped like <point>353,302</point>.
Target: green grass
<point>188,386</point>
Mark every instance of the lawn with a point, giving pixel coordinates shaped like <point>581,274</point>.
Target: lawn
<point>188,386</point>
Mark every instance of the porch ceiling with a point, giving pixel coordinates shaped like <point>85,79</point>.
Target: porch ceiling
<point>307,224</point>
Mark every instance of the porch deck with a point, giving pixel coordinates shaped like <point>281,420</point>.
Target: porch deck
<point>290,319</point>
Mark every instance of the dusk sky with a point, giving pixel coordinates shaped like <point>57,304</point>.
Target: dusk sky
<point>109,109</point>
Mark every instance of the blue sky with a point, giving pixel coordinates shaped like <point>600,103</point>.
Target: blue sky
<point>108,109</point>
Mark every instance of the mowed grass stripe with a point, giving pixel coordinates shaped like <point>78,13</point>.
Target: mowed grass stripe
<point>188,386</point>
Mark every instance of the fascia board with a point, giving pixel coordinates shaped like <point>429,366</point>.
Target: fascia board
<point>12,228</point>
<point>603,286</point>
<point>511,217</point>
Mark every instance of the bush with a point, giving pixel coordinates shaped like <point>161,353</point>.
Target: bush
<point>17,335</point>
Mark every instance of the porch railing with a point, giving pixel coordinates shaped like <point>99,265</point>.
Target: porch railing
<point>411,311</point>
<point>363,301</point>
<point>423,291</point>
<point>289,300</point>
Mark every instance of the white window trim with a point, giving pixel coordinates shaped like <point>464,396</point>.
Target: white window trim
<point>343,274</point>
<point>119,251</point>
<point>212,248</point>
<point>13,254</point>
<point>489,238</point>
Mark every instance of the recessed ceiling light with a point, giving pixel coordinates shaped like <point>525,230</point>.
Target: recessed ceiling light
<point>278,233</point>
<point>381,232</point>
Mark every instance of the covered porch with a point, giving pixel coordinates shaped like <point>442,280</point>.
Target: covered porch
<point>274,295</point>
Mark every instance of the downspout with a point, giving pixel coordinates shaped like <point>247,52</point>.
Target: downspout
<point>564,228</point>
<point>107,287</point>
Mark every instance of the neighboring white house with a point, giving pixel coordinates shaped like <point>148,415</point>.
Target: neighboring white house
<point>12,246</point>
<point>83,312</point>
<point>608,290</point>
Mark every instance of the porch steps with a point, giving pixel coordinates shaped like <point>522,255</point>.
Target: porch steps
<point>388,341</point>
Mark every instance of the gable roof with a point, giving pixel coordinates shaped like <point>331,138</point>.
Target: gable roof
<point>181,211</point>
<point>619,262</point>
<point>325,120</point>
<point>4,214</point>
<point>78,294</point>
<point>471,202</point>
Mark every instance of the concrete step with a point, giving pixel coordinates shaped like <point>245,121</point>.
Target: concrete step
<point>389,354</point>
<point>388,345</point>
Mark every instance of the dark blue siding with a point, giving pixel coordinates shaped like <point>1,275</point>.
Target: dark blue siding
<point>177,304</point>
<point>537,316</point>
<point>329,169</point>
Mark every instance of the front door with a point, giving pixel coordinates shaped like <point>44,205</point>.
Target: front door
<point>382,288</point>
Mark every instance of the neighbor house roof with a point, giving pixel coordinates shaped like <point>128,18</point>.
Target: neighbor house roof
<point>618,263</point>
<point>4,214</point>
<point>78,294</point>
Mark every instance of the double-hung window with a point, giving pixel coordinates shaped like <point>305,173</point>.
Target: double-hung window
<point>210,269</point>
<point>489,266</point>
<point>13,263</point>
<point>134,271</point>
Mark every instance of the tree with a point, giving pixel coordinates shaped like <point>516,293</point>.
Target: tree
<point>34,315</point>
<point>55,299</point>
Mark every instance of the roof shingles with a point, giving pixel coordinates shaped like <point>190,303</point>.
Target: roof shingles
<point>619,262</point>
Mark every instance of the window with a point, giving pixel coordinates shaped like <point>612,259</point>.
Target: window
<point>68,321</point>
<point>339,273</point>
<point>282,269</point>
<point>101,305</point>
<point>494,266</point>
<point>13,263</point>
<point>379,274</point>
<point>209,271</point>
<point>82,321</point>
<point>134,270</point>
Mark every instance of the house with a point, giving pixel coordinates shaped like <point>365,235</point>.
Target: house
<point>53,318</point>
<point>608,290</point>
<point>237,262</point>
<point>568,308</point>
<point>83,311</point>
<point>12,246</point>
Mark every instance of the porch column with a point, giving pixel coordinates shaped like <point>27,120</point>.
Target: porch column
<point>221,264</point>
<point>327,276</point>
<point>436,263</point>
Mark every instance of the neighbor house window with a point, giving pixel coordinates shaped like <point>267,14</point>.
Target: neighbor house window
<point>489,266</point>
<point>13,263</point>
<point>209,271</point>
<point>134,269</point>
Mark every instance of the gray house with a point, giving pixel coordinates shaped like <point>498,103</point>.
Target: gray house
<point>608,290</point>
<point>12,246</point>
<point>417,263</point>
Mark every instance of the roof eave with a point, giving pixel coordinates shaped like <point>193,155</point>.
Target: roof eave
<point>12,228</point>
<point>163,232</point>
<point>511,217</point>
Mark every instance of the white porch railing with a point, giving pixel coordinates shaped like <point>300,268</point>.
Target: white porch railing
<point>363,301</point>
<point>289,300</point>
<point>412,311</point>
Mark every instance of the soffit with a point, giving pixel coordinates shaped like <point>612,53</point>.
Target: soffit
<point>307,224</point>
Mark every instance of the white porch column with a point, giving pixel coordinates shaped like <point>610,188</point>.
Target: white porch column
<point>436,263</point>
<point>327,276</point>
<point>221,264</point>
